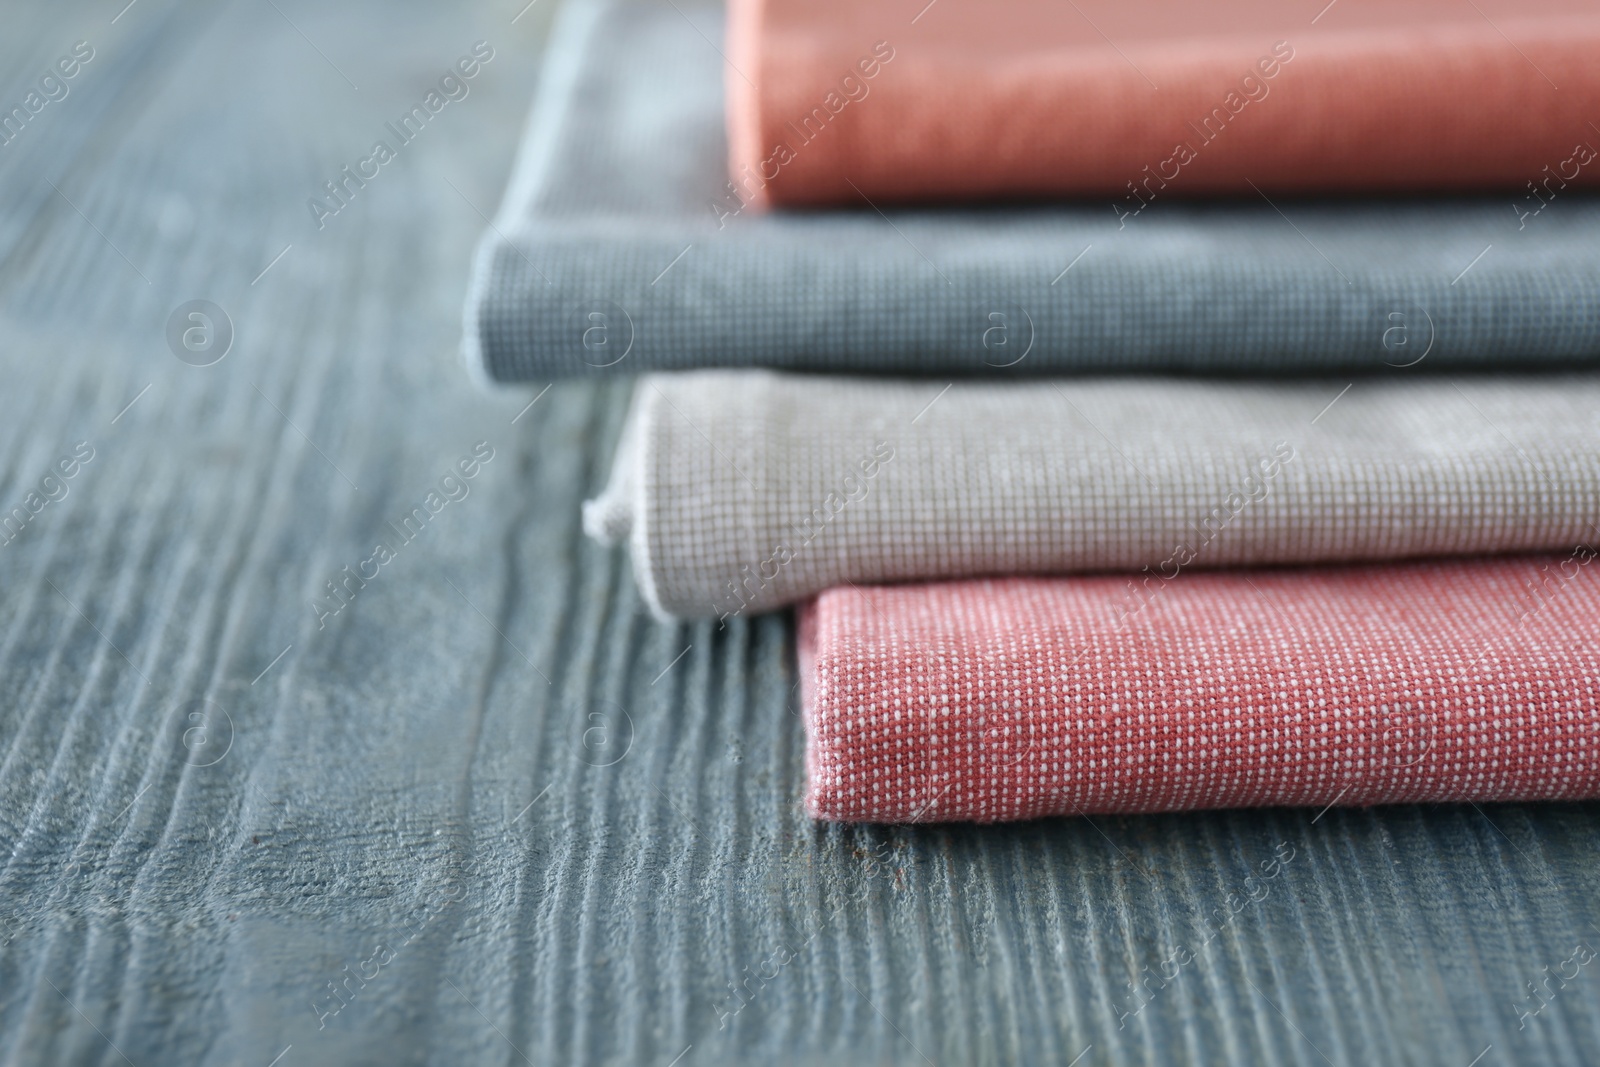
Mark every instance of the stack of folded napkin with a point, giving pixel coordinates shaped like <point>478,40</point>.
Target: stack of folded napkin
<point>1204,476</point>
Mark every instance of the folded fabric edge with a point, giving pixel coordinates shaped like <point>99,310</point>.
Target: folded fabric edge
<point>563,62</point>
<point>741,91</point>
<point>472,357</point>
<point>805,650</point>
<point>618,515</point>
<point>608,518</point>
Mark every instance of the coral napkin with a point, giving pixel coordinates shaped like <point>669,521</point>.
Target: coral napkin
<point>1472,680</point>
<point>741,491</point>
<point>840,101</point>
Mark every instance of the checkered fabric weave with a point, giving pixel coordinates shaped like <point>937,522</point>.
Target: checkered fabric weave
<point>742,491</point>
<point>996,700</point>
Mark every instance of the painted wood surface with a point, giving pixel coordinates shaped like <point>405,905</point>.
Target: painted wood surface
<point>486,811</point>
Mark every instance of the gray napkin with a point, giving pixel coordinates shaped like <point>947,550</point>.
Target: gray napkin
<point>620,248</point>
<point>741,491</point>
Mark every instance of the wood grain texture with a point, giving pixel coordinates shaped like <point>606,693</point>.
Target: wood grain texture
<point>511,818</point>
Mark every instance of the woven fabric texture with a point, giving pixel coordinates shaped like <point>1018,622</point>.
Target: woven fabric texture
<point>742,491</point>
<point>1468,680</point>
<point>834,100</point>
<point>621,248</point>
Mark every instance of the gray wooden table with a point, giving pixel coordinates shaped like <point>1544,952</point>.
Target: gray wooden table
<point>479,808</point>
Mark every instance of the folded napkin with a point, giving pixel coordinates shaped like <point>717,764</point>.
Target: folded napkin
<point>620,248</point>
<point>742,491</point>
<point>833,101</point>
<point>1474,680</point>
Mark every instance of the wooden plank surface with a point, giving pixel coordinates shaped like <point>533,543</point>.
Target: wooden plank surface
<point>488,812</point>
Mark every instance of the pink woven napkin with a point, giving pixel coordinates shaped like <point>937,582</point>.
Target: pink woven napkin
<point>984,701</point>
